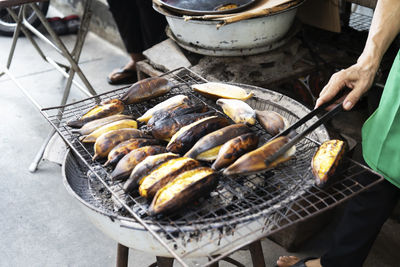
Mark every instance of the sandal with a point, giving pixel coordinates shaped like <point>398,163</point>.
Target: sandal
<point>125,76</point>
<point>302,263</point>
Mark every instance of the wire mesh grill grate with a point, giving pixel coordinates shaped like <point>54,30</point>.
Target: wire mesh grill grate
<point>360,22</point>
<point>239,210</point>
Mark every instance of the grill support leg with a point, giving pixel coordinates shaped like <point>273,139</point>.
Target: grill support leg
<point>164,262</point>
<point>122,256</point>
<point>257,256</point>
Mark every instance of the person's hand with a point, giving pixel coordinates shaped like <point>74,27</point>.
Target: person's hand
<point>358,78</point>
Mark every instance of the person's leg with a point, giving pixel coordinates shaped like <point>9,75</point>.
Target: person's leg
<point>126,16</point>
<point>360,224</point>
<point>152,24</point>
<point>362,219</point>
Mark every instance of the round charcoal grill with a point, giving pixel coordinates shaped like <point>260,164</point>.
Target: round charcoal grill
<point>239,211</point>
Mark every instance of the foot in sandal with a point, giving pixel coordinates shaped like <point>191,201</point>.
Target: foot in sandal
<point>293,261</point>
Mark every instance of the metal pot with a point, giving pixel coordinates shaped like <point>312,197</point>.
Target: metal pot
<point>252,36</point>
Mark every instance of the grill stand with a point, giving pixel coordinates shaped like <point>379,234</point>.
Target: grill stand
<point>207,231</point>
<point>255,248</point>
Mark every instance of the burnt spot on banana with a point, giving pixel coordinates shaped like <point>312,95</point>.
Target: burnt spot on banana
<point>166,128</point>
<point>128,162</point>
<point>146,89</point>
<point>193,132</point>
<point>106,142</point>
<point>207,147</point>
<point>185,108</point>
<point>144,168</point>
<point>235,148</point>
<point>254,161</point>
<point>104,109</point>
<point>183,190</point>
<point>120,150</point>
<point>166,173</point>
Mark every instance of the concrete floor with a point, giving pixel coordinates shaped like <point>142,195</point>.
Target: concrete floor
<point>41,224</point>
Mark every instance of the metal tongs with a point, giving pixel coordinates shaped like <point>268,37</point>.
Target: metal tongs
<point>295,137</point>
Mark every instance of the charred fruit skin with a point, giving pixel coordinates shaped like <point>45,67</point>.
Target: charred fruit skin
<point>181,142</point>
<point>123,148</point>
<point>121,124</point>
<point>187,194</point>
<point>271,121</point>
<point>216,138</point>
<point>104,109</point>
<point>254,161</point>
<point>144,168</point>
<point>130,160</point>
<point>235,148</point>
<point>166,128</point>
<point>146,89</point>
<point>164,174</point>
<point>94,125</point>
<point>164,106</point>
<point>186,108</point>
<point>108,141</point>
<point>326,160</point>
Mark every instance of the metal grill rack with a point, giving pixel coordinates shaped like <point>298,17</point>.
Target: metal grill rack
<point>239,211</point>
<point>360,22</point>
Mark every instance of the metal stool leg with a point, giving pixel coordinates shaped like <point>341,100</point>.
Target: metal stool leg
<point>73,58</point>
<point>122,256</point>
<point>164,262</point>
<point>257,255</point>
<point>39,155</point>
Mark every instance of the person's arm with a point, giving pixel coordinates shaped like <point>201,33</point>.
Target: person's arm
<point>360,76</point>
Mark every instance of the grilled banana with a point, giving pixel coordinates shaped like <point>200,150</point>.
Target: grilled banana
<point>96,124</point>
<point>144,168</point>
<point>129,161</point>
<point>208,146</point>
<point>326,160</point>
<point>187,136</point>
<point>120,150</point>
<point>238,111</point>
<point>254,160</point>
<point>271,121</point>
<point>165,129</point>
<point>105,109</point>
<point>105,142</point>
<point>235,148</point>
<point>147,89</point>
<point>121,124</point>
<point>166,172</point>
<point>185,188</point>
<point>176,111</point>
<point>165,105</point>
<point>215,90</point>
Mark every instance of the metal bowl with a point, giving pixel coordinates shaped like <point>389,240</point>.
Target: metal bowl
<point>248,34</point>
<point>202,7</point>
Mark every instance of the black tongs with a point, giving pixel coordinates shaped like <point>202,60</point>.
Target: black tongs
<point>296,137</point>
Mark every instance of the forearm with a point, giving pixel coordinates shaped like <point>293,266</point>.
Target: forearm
<point>384,28</point>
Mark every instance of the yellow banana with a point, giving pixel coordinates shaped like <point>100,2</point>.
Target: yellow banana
<point>91,138</point>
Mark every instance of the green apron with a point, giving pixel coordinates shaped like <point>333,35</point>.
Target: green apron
<point>381,132</point>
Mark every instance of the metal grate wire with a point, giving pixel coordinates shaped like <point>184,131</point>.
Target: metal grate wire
<point>360,21</point>
<point>239,211</point>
